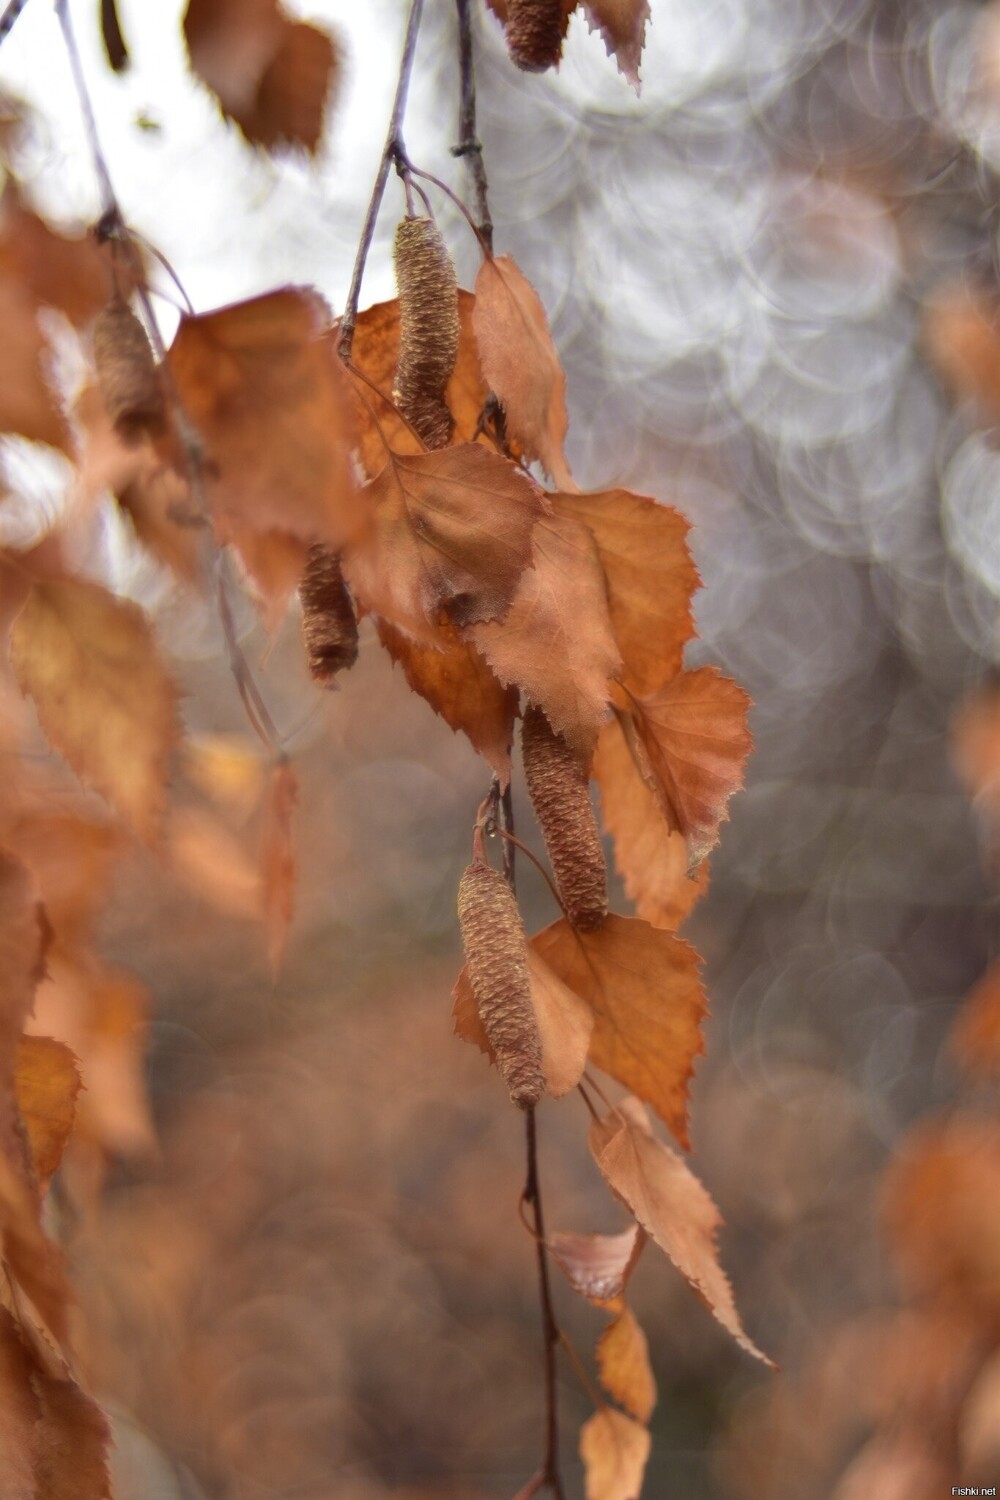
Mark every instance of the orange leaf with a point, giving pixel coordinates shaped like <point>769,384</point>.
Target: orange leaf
<point>962,337</point>
<point>943,1213</point>
<point>20,1414</point>
<point>650,576</point>
<point>643,986</point>
<point>651,858</point>
<point>39,268</point>
<point>71,858</point>
<point>598,1266</point>
<point>670,1204</point>
<point>975,1039</point>
<point>23,940</point>
<point>271,75</point>
<point>214,864</point>
<point>375,352</point>
<point>450,533</point>
<point>695,735</point>
<point>277,857</point>
<point>73,1438</point>
<point>457,683</point>
<point>266,396</point>
<point>615,1451</point>
<point>564,1024</point>
<point>521,365</point>
<point>274,562</point>
<point>46,1081</point>
<point>104,699</point>
<point>227,768</point>
<point>623,1365</point>
<point>622,24</point>
<point>556,643</point>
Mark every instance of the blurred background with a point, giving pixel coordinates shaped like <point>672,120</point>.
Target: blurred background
<point>316,1285</point>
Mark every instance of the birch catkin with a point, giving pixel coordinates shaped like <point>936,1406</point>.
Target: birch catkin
<point>558,787</point>
<point>329,624</point>
<point>126,372</point>
<point>535,32</point>
<point>428,328</point>
<point>496,959</point>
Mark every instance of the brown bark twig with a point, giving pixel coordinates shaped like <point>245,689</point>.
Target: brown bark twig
<point>469,145</point>
<point>392,151</point>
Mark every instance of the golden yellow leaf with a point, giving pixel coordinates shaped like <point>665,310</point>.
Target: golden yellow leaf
<point>623,1365</point>
<point>615,1451</point>
<point>46,1083</point>
<point>104,699</point>
<point>670,1203</point>
<point>642,985</point>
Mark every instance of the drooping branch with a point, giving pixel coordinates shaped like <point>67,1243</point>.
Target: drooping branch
<point>113,227</point>
<point>392,151</point>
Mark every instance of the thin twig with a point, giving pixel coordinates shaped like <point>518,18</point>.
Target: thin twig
<point>10,15</point>
<point>392,151</point>
<point>113,227</point>
<point>551,1337</point>
<point>469,145</point>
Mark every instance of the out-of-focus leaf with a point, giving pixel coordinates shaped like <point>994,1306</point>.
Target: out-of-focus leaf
<point>615,1451</point>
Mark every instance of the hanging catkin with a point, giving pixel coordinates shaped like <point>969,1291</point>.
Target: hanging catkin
<point>126,372</point>
<point>557,785</point>
<point>329,625</point>
<point>496,958</point>
<point>535,33</point>
<point>428,328</point>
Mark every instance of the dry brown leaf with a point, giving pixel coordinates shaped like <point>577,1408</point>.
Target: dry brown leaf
<point>615,1451</point>
<point>695,737</point>
<point>375,353</point>
<point>975,1039</point>
<point>450,533</point>
<point>650,579</point>
<point>71,858</point>
<point>962,339</point>
<point>214,864</point>
<point>943,1214</point>
<point>670,1203</point>
<point>623,1365</point>
<point>597,1266</point>
<point>458,684</point>
<point>102,1015</point>
<point>157,503</point>
<point>520,364</point>
<point>46,1083</point>
<point>23,941</point>
<point>273,562</point>
<point>651,858</point>
<point>642,984</point>
<point>73,1439</point>
<point>622,24</point>
<point>272,75</point>
<point>20,1415</point>
<point>564,1024</point>
<point>556,642</point>
<point>266,395</point>
<point>277,857</point>
<point>89,662</point>
<point>39,268</point>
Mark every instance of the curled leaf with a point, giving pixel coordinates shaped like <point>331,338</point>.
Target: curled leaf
<point>598,1266</point>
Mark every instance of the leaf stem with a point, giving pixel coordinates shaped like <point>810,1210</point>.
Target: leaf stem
<point>469,145</point>
<point>112,227</point>
<point>392,151</point>
<point>10,14</point>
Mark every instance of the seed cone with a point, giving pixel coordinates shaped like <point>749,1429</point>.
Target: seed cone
<point>329,625</point>
<point>535,33</point>
<point>126,372</point>
<point>496,958</point>
<point>557,785</point>
<point>428,328</point>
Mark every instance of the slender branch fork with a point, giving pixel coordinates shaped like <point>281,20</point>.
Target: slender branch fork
<point>113,227</point>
